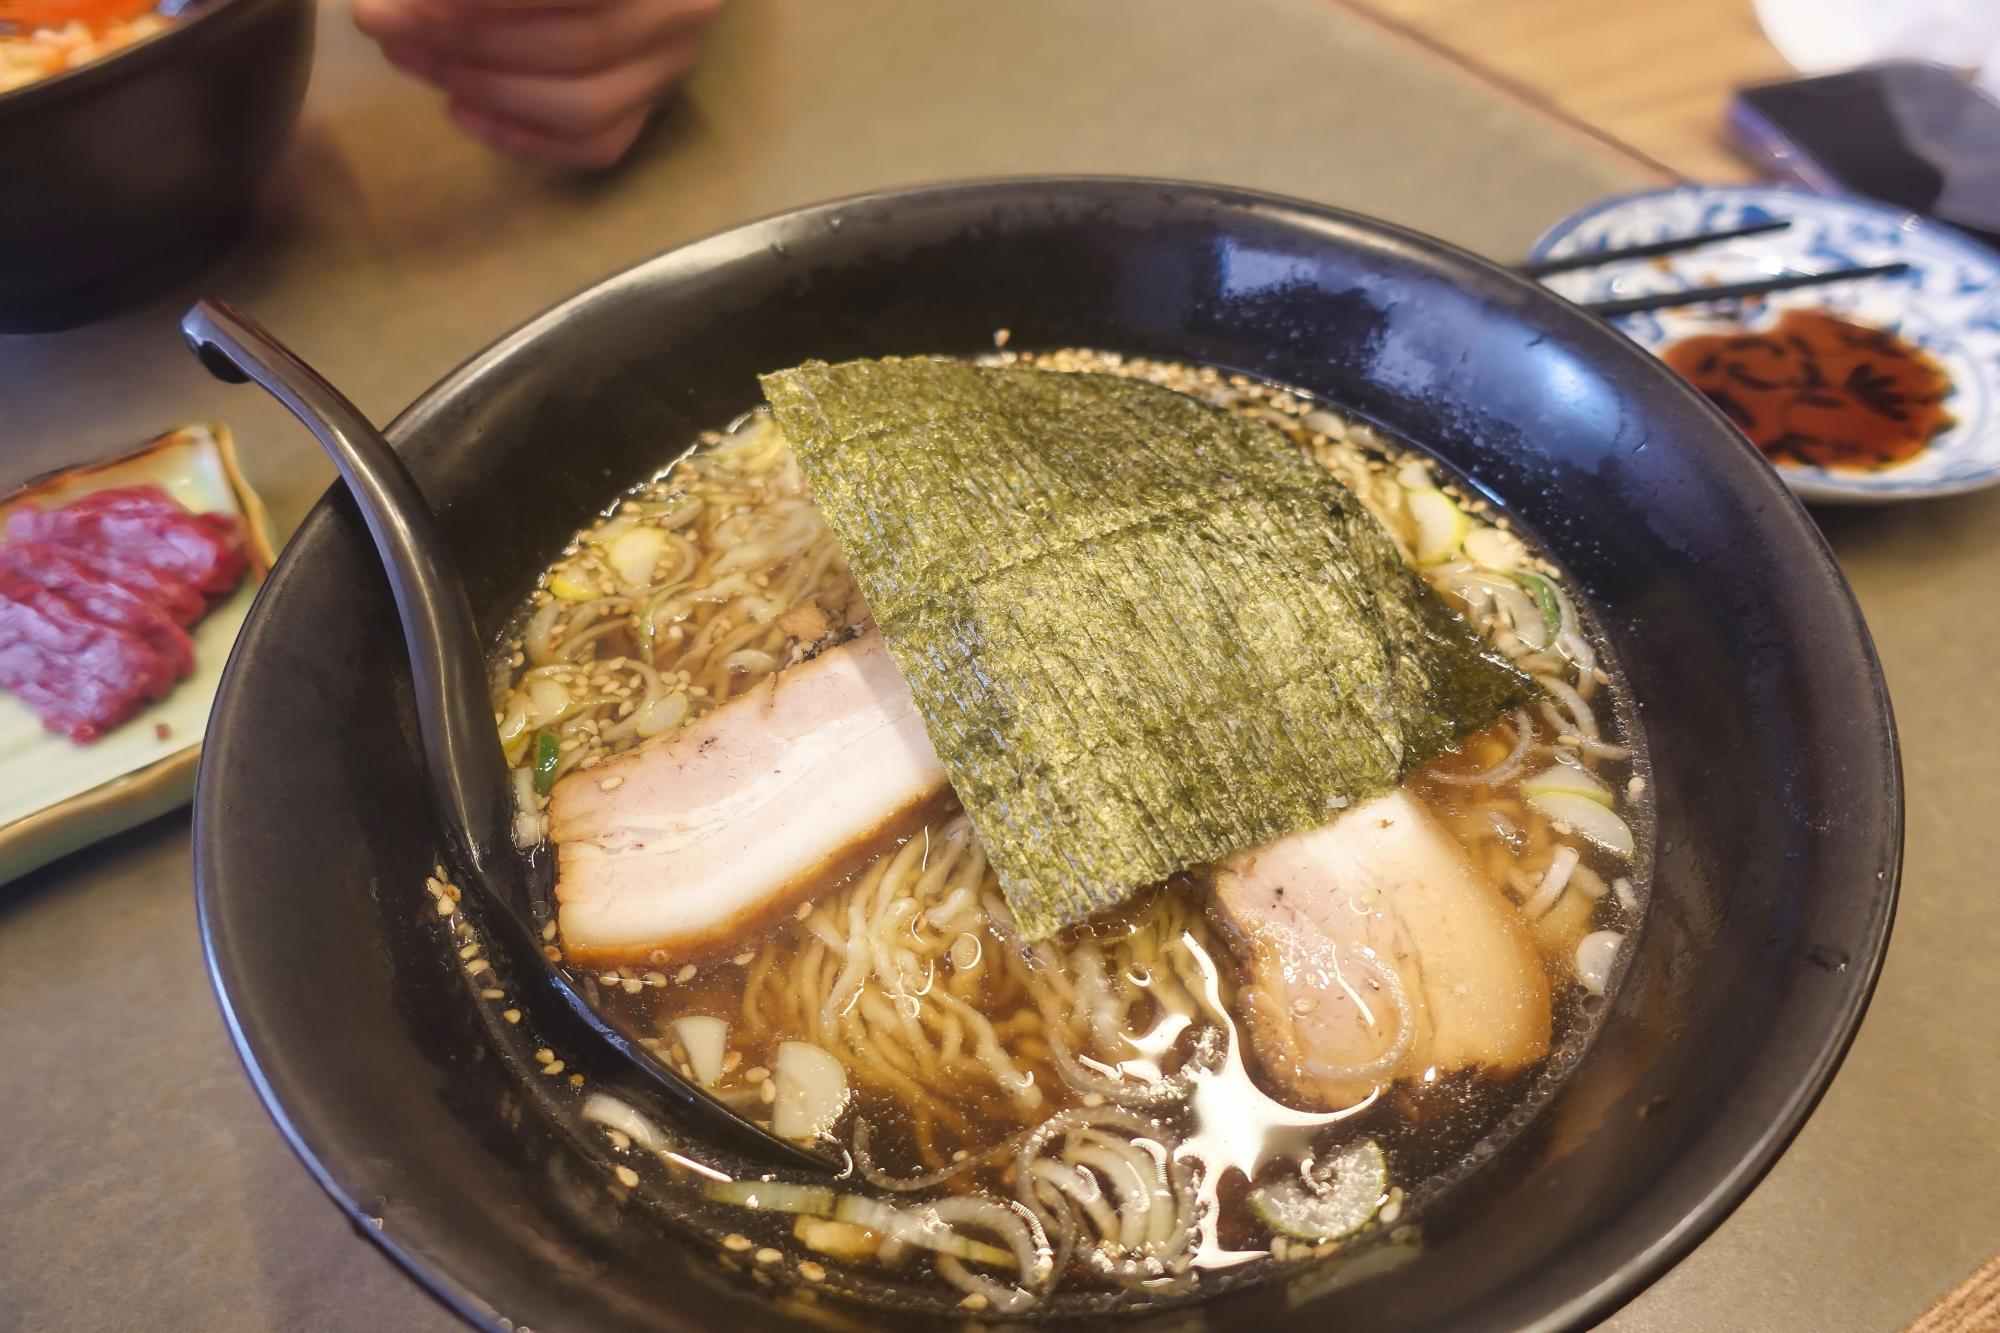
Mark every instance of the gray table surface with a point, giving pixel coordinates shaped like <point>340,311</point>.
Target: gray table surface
<point>143,1185</point>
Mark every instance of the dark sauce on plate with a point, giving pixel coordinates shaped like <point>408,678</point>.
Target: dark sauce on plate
<point>1821,391</point>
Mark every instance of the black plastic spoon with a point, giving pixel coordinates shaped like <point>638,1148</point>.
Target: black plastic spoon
<point>470,787</point>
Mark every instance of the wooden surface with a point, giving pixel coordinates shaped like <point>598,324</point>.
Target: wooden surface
<point>1972,1307</point>
<point>1651,76</point>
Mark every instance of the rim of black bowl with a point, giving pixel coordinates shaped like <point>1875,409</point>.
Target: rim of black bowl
<point>121,62</point>
<point>1571,1305</point>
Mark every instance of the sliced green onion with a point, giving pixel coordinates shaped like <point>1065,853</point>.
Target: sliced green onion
<point>548,749</point>
<point>812,1091</point>
<point>1593,820</point>
<point>706,1041</point>
<point>776,1196</point>
<point>1441,525</point>
<point>1545,598</point>
<point>1567,778</point>
<point>1344,1194</point>
<point>919,1226</point>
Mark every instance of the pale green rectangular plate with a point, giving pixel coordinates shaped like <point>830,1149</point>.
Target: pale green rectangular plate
<point>57,795</point>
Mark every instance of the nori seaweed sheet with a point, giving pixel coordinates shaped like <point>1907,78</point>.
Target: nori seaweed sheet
<point>1143,632</point>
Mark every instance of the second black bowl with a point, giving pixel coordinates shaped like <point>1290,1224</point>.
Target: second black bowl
<point>123,175</point>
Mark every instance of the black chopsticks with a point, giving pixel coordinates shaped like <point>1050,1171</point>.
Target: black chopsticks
<point>1542,268</point>
<point>1729,291</point>
<point>1737,291</point>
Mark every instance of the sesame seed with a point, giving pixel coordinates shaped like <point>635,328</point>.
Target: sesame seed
<point>633,985</point>
<point>731,1060</point>
<point>812,1272</point>
<point>446,906</point>
<point>493,993</point>
<point>686,974</point>
<point>476,966</point>
<point>767,1255</point>
<point>743,959</point>
<point>620,1140</point>
<point>768,1091</point>
<point>512,1015</point>
<point>612,783</point>
<point>609,978</point>
<point>549,931</point>
<point>756,1074</point>
<point>553,954</point>
<point>627,1177</point>
<point>544,1055</point>
<point>805,910</point>
<point>553,1068</point>
<point>576,1080</point>
<point>469,950</point>
<point>973,1301</point>
<point>732,1241</point>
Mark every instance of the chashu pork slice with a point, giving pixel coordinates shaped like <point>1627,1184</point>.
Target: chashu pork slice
<point>1376,951</point>
<point>684,842</point>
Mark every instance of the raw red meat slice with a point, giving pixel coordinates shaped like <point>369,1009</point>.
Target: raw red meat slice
<point>101,598</point>
<point>145,525</point>
<point>81,675</point>
<point>183,604</point>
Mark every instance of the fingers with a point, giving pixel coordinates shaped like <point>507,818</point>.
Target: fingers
<point>566,37</point>
<point>404,22</point>
<point>415,61</point>
<point>564,81</point>
<point>596,149</point>
<point>569,104</point>
<point>555,41</point>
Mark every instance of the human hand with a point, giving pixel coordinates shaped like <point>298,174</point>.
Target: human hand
<point>569,82</point>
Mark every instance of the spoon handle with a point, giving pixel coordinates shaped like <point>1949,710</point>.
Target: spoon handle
<point>468,774</point>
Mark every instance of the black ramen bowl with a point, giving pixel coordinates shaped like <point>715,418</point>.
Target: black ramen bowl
<point>1778,792</point>
<point>123,175</point>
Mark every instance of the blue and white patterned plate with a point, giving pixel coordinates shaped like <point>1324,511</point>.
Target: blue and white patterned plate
<point>1948,303</point>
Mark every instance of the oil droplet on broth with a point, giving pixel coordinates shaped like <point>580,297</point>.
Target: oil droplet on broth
<point>1236,1126</point>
